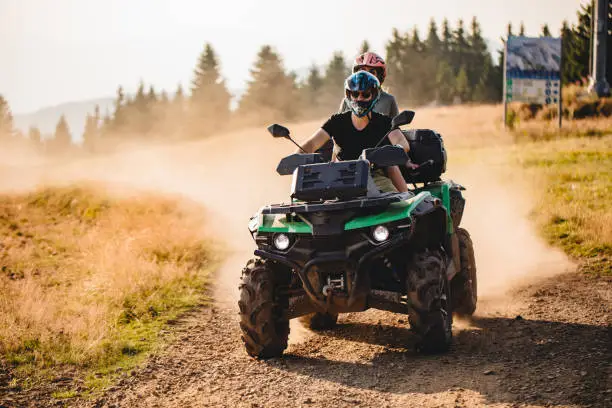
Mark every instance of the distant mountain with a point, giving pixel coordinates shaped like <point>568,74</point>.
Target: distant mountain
<point>46,118</point>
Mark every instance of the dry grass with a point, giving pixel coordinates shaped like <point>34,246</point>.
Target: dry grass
<point>87,278</point>
<point>544,130</point>
<point>573,179</point>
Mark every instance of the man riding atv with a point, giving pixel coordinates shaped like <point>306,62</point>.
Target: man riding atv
<point>362,128</point>
<point>385,105</point>
<point>353,237</point>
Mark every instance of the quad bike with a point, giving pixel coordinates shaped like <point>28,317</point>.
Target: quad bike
<point>342,246</point>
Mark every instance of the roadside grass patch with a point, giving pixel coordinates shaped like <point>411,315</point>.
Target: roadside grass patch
<point>89,279</point>
<point>573,178</point>
<point>546,130</point>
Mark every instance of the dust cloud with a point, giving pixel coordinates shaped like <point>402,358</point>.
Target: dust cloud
<point>232,175</point>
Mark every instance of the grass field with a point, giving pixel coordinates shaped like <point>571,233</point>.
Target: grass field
<point>87,280</point>
<point>573,183</point>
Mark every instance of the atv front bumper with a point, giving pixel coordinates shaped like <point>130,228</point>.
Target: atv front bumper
<point>354,299</point>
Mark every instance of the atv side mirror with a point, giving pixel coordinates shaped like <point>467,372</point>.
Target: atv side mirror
<point>404,118</point>
<point>278,131</point>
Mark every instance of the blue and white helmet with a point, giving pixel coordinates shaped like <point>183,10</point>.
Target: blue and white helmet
<point>368,85</point>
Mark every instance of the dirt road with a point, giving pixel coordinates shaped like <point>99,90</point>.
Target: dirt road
<point>541,335</point>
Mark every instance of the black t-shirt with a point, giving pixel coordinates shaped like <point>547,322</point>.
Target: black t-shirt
<point>352,141</point>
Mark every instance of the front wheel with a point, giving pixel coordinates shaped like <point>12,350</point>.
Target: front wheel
<point>429,294</point>
<point>263,309</point>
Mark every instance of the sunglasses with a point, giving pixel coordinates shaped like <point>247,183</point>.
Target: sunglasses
<point>355,94</point>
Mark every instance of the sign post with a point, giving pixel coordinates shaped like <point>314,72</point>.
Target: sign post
<point>506,86</point>
<point>532,72</point>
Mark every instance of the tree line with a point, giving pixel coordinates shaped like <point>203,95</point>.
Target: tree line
<point>449,65</point>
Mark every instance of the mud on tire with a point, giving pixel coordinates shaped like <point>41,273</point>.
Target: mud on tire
<point>263,309</point>
<point>464,284</point>
<point>429,294</point>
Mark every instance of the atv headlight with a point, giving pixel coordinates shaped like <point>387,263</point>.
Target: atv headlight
<point>380,233</point>
<point>281,242</point>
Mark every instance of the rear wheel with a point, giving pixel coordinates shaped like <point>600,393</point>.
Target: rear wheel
<point>464,284</point>
<point>263,309</point>
<point>429,294</point>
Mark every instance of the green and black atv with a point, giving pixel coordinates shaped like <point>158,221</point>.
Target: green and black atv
<point>342,246</point>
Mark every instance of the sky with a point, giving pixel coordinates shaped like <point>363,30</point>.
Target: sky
<point>56,51</point>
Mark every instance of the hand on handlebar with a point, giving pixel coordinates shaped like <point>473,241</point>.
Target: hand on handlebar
<point>411,165</point>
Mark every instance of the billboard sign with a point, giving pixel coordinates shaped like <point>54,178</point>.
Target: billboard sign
<point>533,70</point>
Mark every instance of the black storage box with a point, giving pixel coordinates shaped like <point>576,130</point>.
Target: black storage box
<point>326,181</point>
<point>425,144</point>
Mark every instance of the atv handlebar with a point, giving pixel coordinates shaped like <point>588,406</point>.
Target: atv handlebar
<point>420,167</point>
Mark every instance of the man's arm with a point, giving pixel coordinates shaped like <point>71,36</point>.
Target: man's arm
<point>397,179</point>
<point>396,137</point>
<point>315,141</point>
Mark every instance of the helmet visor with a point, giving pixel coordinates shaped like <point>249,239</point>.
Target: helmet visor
<point>364,94</point>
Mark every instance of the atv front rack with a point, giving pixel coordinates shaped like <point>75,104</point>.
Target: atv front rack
<point>382,200</point>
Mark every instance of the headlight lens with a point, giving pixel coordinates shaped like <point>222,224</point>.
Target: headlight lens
<point>381,233</point>
<point>281,242</point>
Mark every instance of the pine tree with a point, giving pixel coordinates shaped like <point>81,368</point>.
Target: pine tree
<point>336,73</point>
<point>271,93</point>
<point>6,120</point>
<point>119,119</point>
<point>478,63</point>
<point>179,97</point>
<point>34,136</point>
<point>447,38</point>
<point>569,64</point>
<point>175,116</point>
<point>445,82</point>
<point>462,85</point>
<point>91,132</point>
<point>163,98</point>
<point>521,30</point>
<point>415,42</point>
<point>545,31</point>
<point>395,68</point>
<point>314,81</point>
<point>576,59</point>
<point>210,99</point>
<point>311,93</point>
<point>433,42</point>
<point>365,47</point>
<point>151,96</point>
<point>140,99</point>
<point>61,138</point>
<point>460,46</point>
<point>418,79</point>
<point>107,122</point>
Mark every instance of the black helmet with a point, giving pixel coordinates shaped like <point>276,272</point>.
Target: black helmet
<point>367,85</point>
